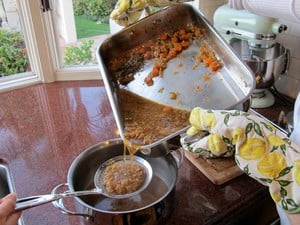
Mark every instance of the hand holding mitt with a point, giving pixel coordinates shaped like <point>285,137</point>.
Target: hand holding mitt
<point>260,150</point>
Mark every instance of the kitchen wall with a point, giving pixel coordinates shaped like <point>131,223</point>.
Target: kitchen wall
<point>208,7</point>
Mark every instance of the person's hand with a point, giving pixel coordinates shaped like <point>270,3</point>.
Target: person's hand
<point>8,216</point>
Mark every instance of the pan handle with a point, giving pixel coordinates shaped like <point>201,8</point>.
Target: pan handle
<point>59,203</point>
<point>177,153</point>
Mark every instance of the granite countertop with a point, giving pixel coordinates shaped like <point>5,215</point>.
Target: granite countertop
<point>44,127</point>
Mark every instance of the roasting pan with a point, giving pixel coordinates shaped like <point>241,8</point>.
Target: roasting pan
<point>228,88</point>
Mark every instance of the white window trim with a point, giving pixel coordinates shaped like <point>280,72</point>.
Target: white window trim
<point>80,73</point>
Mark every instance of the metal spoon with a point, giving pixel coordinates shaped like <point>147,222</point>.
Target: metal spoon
<point>32,201</point>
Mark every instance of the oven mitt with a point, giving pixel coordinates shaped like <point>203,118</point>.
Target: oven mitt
<point>260,150</point>
<point>127,12</point>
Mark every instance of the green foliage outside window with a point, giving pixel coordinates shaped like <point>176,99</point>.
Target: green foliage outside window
<point>13,55</point>
<point>79,55</point>
<point>95,10</point>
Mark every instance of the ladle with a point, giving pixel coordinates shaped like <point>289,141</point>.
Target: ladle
<point>32,201</point>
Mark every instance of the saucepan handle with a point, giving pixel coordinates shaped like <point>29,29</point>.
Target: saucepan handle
<point>88,215</point>
<point>178,154</point>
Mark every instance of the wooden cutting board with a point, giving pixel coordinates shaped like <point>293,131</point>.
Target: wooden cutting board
<point>218,170</point>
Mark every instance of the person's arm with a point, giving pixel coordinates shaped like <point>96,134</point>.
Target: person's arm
<point>8,216</point>
<point>283,9</point>
<point>294,218</point>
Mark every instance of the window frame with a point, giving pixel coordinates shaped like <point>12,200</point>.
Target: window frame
<point>40,37</point>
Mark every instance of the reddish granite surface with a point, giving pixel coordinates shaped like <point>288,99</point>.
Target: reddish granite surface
<point>44,127</point>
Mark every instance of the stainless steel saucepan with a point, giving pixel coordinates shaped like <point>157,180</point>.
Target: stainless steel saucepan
<point>99,187</point>
<point>157,194</point>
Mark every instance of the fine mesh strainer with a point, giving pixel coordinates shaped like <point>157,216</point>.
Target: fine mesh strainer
<point>32,201</point>
<point>98,178</point>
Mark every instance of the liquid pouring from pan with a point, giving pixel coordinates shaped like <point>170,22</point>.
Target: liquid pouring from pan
<point>32,201</point>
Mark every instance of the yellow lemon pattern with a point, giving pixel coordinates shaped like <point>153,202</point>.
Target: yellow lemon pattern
<point>252,149</point>
<point>275,196</point>
<point>195,118</point>
<point>192,131</point>
<point>275,140</point>
<point>297,171</point>
<point>238,134</point>
<point>260,149</point>
<point>271,164</point>
<point>216,144</point>
<point>209,120</point>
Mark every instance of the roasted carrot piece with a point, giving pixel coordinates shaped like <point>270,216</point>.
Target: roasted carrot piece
<point>182,32</point>
<point>208,61</point>
<point>172,53</point>
<point>148,55</point>
<point>155,71</point>
<point>167,109</point>
<point>178,47</point>
<point>163,55</point>
<point>185,44</point>
<point>214,66</point>
<point>148,80</point>
<point>163,36</point>
<point>174,39</point>
<point>142,50</point>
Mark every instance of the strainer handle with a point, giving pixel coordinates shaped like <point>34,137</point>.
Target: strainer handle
<point>32,201</point>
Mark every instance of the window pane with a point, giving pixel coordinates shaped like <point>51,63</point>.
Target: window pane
<point>13,52</point>
<point>81,26</point>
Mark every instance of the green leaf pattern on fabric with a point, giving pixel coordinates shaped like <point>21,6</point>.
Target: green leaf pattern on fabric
<point>261,150</point>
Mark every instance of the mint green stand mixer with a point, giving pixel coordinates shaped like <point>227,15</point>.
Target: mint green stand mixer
<point>253,38</point>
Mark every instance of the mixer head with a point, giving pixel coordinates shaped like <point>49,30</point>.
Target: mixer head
<point>259,31</point>
<point>253,38</point>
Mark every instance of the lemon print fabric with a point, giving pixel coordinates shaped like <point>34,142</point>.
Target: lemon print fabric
<point>271,164</point>
<point>253,148</point>
<point>275,140</point>
<point>297,171</point>
<point>260,150</point>
<point>238,134</point>
<point>215,144</point>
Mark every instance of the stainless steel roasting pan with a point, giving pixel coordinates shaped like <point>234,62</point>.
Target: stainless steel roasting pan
<point>228,88</point>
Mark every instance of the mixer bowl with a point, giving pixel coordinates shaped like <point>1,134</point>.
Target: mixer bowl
<point>266,63</point>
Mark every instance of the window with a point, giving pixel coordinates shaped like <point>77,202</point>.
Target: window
<point>81,25</point>
<point>60,38</point>
<point>50,39</point>
<point>18,66</point>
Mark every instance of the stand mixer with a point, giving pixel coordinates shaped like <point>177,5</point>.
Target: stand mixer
<point>253,38</point>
